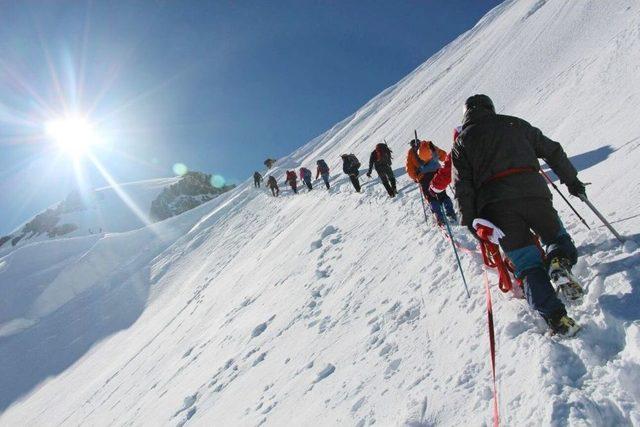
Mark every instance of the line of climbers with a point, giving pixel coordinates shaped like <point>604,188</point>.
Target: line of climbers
<point>380,160</point>
<point>495,172</point>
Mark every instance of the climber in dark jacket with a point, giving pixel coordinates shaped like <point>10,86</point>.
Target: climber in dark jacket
<point>350,166</point>
<point>272,184</point>
<point>380,159</point>
<point>496,177</point>
<point>257,179</point>
<point>323,170</point>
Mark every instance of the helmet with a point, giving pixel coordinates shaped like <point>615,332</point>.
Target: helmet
<point>476,101</point>
<point>414,142</point>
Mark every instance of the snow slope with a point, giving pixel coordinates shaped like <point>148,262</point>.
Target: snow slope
<point>337,308</point>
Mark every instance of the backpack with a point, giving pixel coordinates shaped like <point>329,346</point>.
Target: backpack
<point>353,161</point>
<point>431,164</point>
<point>383,153</point>
<point>291,176</point>
<point>322,166</point>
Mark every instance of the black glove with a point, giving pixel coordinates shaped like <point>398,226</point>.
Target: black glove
<point>577,188</point>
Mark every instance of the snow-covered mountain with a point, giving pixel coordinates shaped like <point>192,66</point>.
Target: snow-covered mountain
<point>337,308</point>
<point>115,209</point>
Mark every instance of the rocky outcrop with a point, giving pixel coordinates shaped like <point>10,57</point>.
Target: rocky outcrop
<point>193,189</point>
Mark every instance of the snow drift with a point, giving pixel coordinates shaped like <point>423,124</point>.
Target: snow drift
<point>337,308</point>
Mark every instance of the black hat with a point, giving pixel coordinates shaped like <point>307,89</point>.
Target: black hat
<point>479,101</point>
<point>414,142</point>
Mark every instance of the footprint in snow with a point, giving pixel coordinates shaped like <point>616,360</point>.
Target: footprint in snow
<point>387,350</point>
<point>328,370</point>
<point>188,405</point>
<point>258,329</point>
<point>321,274</point>
<point>324,324</point>
<point>260,358</point>
<point>328,230</point>
<point>358,404</point>
<point>316,245</point>
<point>392,369</point>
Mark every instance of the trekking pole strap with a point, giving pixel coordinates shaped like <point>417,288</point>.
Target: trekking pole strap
<point>602,218</point>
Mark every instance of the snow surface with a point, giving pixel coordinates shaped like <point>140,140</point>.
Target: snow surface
<point>337,308</point>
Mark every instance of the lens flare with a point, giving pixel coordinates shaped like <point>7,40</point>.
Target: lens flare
<point>180,169</point>
<point>218,181</point>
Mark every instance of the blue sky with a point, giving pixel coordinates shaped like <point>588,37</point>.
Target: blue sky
<point>218,86</point>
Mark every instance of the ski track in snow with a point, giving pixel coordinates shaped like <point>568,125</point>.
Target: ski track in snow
<point>338,308</point>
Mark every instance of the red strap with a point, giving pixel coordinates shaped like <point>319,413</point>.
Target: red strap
<point>492,348</point>
<point>510,171</point>
<point>492,258</point>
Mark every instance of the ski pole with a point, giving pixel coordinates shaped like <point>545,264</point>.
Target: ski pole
<point>555,187</point>
<point>583,197</point>
<point>424,207</point>
<point>455,251</point>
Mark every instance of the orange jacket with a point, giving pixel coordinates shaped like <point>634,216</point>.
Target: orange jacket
<point>424,155</point>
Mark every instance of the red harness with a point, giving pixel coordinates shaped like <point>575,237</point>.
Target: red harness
<point>510,171</point>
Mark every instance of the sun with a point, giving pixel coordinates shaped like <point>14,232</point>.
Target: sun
<point>73,134</point>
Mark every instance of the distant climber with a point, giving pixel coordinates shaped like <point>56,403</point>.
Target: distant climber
<point>257,179</point>
<point>380,159</point>
<point>272,184</point>
<point>323,170</point>
<point>423,161</point>
<point>496,178</point>
<point>292,180</point>
<point>305,176</point>
<point>269,163</point>
<point>350,166</point>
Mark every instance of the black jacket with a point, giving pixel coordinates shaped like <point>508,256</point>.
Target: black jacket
<point>490,145</point>
<point>377,163</point>
<point>350,165</point>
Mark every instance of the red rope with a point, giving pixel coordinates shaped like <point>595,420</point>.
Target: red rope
<point>492,258</point>
<point>492,347</point>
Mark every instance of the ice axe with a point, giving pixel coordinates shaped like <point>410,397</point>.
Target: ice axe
<point>583,197</point>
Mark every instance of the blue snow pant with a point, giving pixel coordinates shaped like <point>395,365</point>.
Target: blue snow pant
<point>516,218</point>
<point>325,178</point>
<point>441,200</point>
<point>307,181</point>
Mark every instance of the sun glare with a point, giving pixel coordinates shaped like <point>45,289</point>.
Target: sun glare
<point>72,134</point>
